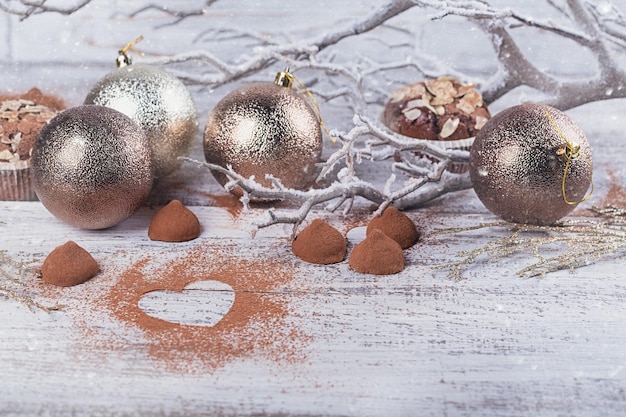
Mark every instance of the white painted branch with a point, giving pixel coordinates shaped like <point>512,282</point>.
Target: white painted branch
<point>27,8</point>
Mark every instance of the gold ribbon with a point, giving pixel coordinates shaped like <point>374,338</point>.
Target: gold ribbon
<point>569,152</point>
<point>287,79</point>
<point>123,59</point>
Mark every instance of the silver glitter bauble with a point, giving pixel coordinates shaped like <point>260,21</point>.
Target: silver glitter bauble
<point>531,164</point>
<point>264,128</point>
<point>92,167</point>
<point>159,102</point>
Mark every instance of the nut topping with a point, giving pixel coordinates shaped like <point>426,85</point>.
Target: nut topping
<point>436,109</point>
<point>20,123</point>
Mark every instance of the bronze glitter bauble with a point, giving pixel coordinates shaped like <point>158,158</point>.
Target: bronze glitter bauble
<point>159,102</point>
<point>92,167</point>
<point>522,160</point>
<point>264,128</point>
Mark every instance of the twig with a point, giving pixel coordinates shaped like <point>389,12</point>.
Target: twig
<point>348,186</point>
<point>179,15</point>
<point>32,7</point>
<point>9,284</point>
<point>585,242</point>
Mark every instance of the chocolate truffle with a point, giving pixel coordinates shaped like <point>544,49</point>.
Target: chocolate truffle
<point>396,225</point>
<point>174,223</point>
<point>68,265</point>
<point>320,243</point>
<point>378,254</point>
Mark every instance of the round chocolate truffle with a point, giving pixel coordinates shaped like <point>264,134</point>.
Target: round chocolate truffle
<point>320,243</point>
<point>378,254</point>
<point>396,225</point>
<point>68,265</point>
<point>174,223</point>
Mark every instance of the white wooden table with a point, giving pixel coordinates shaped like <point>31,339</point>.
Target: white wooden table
<point>412,344</point>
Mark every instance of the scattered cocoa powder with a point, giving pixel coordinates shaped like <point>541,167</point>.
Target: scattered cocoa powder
<point>320,243</point>
<point>616,194</point>
<point>378,254</point>
<point>68,265</point>
<point>255,325</point>
<point>228,202</point>
<point>258,326</point>
<point>396,225</point>
<point>174,223</point>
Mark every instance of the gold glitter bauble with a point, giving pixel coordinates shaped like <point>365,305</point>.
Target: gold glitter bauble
<point>264,128</point>
<point>92,167</point>
<point>519,164</point>
<point>159,102</point>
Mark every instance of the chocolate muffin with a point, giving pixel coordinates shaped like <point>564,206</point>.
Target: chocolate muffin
<point>21,119</point>
<point>441,109</point>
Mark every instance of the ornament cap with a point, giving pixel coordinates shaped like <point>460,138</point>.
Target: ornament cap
<point>284,78</point>
<point>123,59</point>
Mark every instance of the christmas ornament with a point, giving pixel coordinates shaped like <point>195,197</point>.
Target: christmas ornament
<point>531,164</point>
<point>159,102</point>
<point>265,128</point>
<point>92,167</point>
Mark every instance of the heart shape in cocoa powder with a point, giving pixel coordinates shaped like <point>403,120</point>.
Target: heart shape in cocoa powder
<point>201,303</point>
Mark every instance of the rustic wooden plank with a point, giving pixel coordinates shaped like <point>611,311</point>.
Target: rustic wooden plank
<point>415,343</point>
<point>492,343</point>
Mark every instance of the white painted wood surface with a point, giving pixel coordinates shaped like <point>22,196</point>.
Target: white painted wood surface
<point>412,344</point>
<point>415,343</point>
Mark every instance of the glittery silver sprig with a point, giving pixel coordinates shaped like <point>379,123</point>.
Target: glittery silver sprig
<point>10,286</point>
<point>577,242</point>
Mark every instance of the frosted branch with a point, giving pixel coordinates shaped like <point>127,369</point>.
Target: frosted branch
<point>300,51</point>
<point>425,181</point>
<point>383,14</point>
<point>594,27</point>
<point>179,15</point>
<point>363,82</point>
<point>27,8</point>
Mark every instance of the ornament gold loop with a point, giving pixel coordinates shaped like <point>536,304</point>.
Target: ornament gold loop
<point>287,79</point>
<point>284,78</point>
<point>123,59</point>
<point>567,153</point>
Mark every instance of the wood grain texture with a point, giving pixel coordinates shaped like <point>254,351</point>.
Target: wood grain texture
<point>413,344</point>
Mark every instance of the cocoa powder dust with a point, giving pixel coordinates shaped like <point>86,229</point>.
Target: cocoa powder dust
<point>257,327</point>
